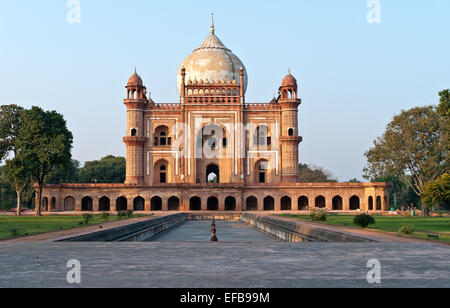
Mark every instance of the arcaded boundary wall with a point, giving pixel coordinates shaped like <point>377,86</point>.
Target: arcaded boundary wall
<point>297,231</point>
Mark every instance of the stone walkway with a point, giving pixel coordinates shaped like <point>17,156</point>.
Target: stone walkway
<point>229,265</point>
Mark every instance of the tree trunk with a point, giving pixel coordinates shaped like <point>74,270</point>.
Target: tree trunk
<point>39,201</point>
<point>19,202</point>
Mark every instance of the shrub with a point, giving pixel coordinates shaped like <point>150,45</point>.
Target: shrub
<point>121,214</point>
<point>129,213</point>
<point>14,232</point>
<point>320,215</point>
<point>406,229</point>
<point>105,217</point>
<point>86,218</point>
<point>364,220</point>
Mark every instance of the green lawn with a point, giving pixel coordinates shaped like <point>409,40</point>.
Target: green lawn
<point>422,225</point>
<point>13,226</point>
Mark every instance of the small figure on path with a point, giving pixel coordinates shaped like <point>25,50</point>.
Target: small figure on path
<point>213,230</point>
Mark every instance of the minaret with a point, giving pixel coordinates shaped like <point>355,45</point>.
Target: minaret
<point>135,101</point>
<point>290,139</point>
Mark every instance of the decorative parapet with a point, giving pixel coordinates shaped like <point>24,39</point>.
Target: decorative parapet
<point>262,107</point>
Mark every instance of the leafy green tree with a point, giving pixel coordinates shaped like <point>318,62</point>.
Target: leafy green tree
<point>10,125</point>
<point>109,169</point>
<point>437,191</point>
<point>64,173</point>
<point>310,174</point>
<point>44,142</point>
<point>414,143</point>
<point>7,195</point>
<point>17,172</point>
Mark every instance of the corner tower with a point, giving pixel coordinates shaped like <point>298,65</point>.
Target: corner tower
<point>136,102</point>
<point>290,140</point>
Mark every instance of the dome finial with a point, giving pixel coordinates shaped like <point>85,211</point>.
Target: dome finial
<point>212,23</point>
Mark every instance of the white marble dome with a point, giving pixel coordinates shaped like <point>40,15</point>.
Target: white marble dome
<point>212,62</point>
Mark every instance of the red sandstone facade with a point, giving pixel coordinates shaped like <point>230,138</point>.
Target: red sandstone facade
<point>213,151</point>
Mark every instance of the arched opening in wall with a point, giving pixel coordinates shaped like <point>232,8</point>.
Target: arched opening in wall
<point>355,203</point>
<point>69,204</point>
<point>269,204</point>
<point>303,203</point>
<point>370,203</point>
<point>45,204</point>
<point>211,140</point>
<point>156,204</point>
<point>378,203</point>
<point>262,136</point>
<point>161,171</point>
<point>213,204</point>
<point>230,204</point>
<point>386,203</point>
<point>291,132</point>
<point>261,171</point>
<point>86,204</point>
<point>104,204</point>
<point>212,174</point>
<point>252,204</point>
<point>195,204</point>
<point>174,204</point>
<point>133,132</point>
<point>139,204</point>
<point>53,204</point>
<point>285,95</point>
<point>162,137</point>
<point>320,202</point>
<point>286,204</point>
<point>337,203</point>
<point>121,204</point>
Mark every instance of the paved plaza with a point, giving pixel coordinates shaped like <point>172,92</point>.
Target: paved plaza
<point>228,265</point>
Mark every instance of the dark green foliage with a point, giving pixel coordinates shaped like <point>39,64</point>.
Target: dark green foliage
<point>310,174</point>
<point>87,218</point>
<point>109,169</point>
<point>406,229</point>
<point>64,173</point>
<point>105,217</point>
<point>10,124</point>
<point>364,220</point>
<point>129,213</point>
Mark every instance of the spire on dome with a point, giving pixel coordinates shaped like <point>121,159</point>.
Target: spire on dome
<point>212,24</point>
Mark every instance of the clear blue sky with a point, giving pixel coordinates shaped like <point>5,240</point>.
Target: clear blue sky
<point>353,76</point>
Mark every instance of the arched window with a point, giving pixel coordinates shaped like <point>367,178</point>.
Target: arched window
<point>230,204</point>
<point>370,203</point>
<point>320,202</point>
<point>86,204</point>
<point>104,204</point>
<point>354,203</point>
<point>195,204</point>
<point>379,206</point>
<point>252,204</point>
<point>262,136</point>
<point>291,132</point>
<point>337,203</point>
<point>121,204</point>
<point>133,132</point>
<point>286,204</point>
<point>303,203</point>
<point>163,174</point>
<point>139,204</point>
<point>162,137</point>
<point>69,204</point>
<point>174,204</point>
<point>45,204</point>
<point>156,204</point>
<point>213,204</point>
<point>269,204</point>
<point>53,204</point>
<point>212,174</point>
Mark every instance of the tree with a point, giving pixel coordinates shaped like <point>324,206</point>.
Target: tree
<point>10,125</point>
<point>309,174</point>
<point>18,174</point>
<point>44,142</point>
<point>109,169</point>
<point>64,173</point>
<point>444,103</point>
<point>437,191</point>
<point>414,143</point>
